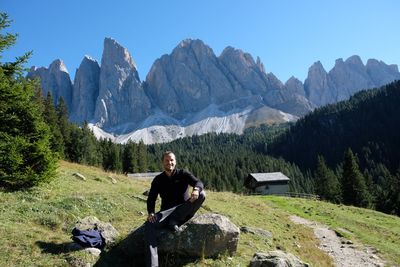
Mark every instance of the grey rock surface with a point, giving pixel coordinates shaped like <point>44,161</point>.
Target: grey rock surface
<point>86,90</point>
<point>205,235</point>
<point>108,232</point>
<point>192,88</point>
<point>56,80</point>
<point>121,97</point>
<point>276,258</point>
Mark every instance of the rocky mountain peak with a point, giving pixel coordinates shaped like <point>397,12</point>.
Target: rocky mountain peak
<point>115,53</point>
<point>58,65</point>
<point>190,46</point>
<point>355,61</point>
<point>242,58</point>
<point>317,85</point>
<point>54,79</point>
<point>260,64</point>
<point>339,62</point>
<point>294,85</point>
<point>86,90</point>
<point>382,73</point>
<point>348,77</point>
<point>188,80</point>
<point>192,87</point>
<point>119,87</point>
<point>316,69</point>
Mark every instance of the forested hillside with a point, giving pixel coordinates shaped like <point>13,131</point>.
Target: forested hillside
<point>224,160</point>
<point>368,124</point>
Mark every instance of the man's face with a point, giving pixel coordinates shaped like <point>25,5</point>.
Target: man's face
<point>169,162</point>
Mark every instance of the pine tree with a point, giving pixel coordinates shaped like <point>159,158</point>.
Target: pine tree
<point>327,183</point>
<point>66,128</point>
<point>142,157</point>
<point>50,116</point>
<point>354,189</point>
<point>111,156</point>
<point>25,155</point>
<point>90,147</point>
<point>129,158</point>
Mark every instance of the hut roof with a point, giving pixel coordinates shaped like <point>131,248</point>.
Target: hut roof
<point>269,177</point>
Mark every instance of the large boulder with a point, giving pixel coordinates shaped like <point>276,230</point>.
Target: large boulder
<point>276,258</point>
<point>107,231</point>
<point>205,235</point>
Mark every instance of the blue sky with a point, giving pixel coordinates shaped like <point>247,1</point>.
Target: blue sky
<point>288,36</point>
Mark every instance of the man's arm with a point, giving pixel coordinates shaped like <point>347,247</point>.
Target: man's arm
<point>194,181</point>
<point>151,199</point>
<point>196,184</point>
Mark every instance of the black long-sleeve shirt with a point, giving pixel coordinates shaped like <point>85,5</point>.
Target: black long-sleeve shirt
<point>173,190</point>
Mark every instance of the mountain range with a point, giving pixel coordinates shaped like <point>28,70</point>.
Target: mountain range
<point>193,91</point>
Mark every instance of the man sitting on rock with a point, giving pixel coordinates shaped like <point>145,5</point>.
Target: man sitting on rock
<point>177,205</point>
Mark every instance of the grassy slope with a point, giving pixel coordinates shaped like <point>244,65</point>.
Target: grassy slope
<point>368,227</point>
<point>35,225</point>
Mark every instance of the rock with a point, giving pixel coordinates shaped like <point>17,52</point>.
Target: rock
<point>349,77</point>
<point>206,235</point>
<point>80,176</point>
<point>107,231</point>
<point>77,262</point>
<point>276,258</point>
<point>346,78</point>
<point>121,100</point>
<point>93,251</point>
<point>249,74</point>
<point>86,90</point>
<point>56,80</point>
<point>112,179</point>
<point>192,91</point>
<point>382,73</point>
<point>190,79</point>
<point>256,231</point>
<point>318,85</point>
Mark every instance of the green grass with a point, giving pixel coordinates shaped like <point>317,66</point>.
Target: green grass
<point>35,225</point>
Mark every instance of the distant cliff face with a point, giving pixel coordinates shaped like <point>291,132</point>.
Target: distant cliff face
<point>192,84</point>
<point>55,80</point>
<point>121,99</point>
<point>85,90</point>
<point>346,78</point>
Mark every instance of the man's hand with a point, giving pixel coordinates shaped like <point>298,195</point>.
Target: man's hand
<point>195,195</point>
<point>152,218</point>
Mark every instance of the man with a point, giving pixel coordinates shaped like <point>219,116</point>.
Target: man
<point>177,205</point>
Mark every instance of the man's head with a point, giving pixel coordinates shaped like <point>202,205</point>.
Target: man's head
<point>169,161</point>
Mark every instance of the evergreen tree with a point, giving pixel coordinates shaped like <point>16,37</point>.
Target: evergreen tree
<point>50,116</point>
<point>395,196</point>
<point>90,148</point>
<point>129,158</point>
<point>142,157</point>
<point>327,183</point>
<point>66,129</point>
<point>111,156</point>
<point>25,155</point>
<point>354,189</point>
<point>387,190</point>
<point>74,148</point>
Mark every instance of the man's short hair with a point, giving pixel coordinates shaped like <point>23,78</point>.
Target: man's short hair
<point>167,153</point>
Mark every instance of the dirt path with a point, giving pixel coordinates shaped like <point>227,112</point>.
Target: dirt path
<point>343,252</point>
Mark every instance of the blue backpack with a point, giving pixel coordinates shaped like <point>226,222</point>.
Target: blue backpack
<point>88,238</point>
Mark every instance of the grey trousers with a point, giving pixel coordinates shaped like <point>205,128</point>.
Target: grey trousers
<point>177,215</point>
